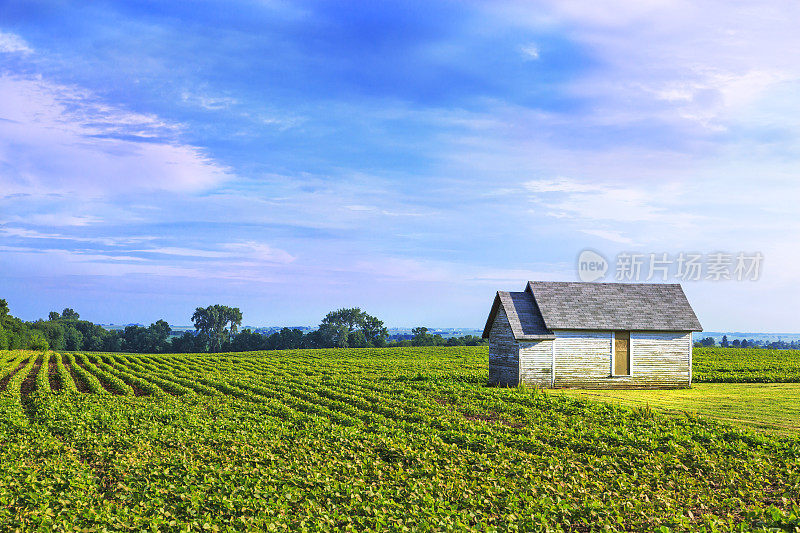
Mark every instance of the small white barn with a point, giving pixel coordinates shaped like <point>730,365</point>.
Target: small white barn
<point>592,335</point>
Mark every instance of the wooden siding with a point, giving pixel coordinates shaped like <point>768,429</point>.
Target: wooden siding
<point>535,362</point>
<point>583,358</point>
<point>503,352</point>
<point>661,359</point>
<point>657,359</point>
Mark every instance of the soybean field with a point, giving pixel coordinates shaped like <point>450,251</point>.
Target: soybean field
<point>393,439</point>
<point>746,365</point>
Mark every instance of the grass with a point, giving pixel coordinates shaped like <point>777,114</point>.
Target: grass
<point>773,407</point>
<point>749,387</point>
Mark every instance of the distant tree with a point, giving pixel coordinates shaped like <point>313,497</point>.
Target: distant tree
<point>357,339</point>
<point>285,339</point>
<point>333,335</point>
<point>745,344</point>
<point>70,314</point>
<point>157,335</point>
<point>134,339</point>
<point>351,327</point>
<point>54,332</point>
<point>375,333</point>
<point>73,339</point>
<point>216,324</point>
<point>736,343</point>
<point>313,339</point>
<point>4,340</point>
<point>37,340</point>
<point>186,343</point>
<point>53,316</point>
<point>473,340</point>
<point>421,337</point>
<point>248,341</point>
<point>724,342</point>
<point>113,342</point>
<point>708,341</point>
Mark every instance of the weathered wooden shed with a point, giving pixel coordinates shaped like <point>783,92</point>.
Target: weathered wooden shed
<point>592,335</point>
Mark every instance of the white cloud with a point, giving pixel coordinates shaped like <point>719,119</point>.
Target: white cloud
<point>183,252</point>
<point>211,103</point>
<point>58,138</point>
<point>449,272</point>
<point>259,252</point>
<point>613,236</point>
<point>529,51</point>
<point>25,233</point>
<point>564,185</point>
<point>12,43</point>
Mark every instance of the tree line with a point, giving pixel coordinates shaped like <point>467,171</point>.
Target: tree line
<point>216,330</point>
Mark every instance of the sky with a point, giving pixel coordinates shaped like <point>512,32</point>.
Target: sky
<point>408,158</point>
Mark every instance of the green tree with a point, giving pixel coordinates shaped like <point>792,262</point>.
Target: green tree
<point>421,337</point>
<point>37,340</point>
<point>186,343</point>
<point>73,339</point>
<point>157,335</point>
<point>4,341</point>
<point>351,327</point>
<point>53,316</point>
<point>708,341</point>
<point>54,333</point>
<point>70,314</point>
<point>216,324</point>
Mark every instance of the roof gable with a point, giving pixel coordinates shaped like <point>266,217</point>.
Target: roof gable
<point>523,315</point>
<point>609,306</point>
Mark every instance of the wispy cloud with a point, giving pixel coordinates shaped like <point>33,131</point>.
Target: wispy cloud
<point>529,51</point>
<point>58,138</point>
<point>211,103</point>
<point>11,43</point>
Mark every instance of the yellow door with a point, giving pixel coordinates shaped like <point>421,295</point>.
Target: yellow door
<point>622,353</point>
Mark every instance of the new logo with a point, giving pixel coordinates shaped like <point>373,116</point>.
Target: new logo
<point>591,266</point>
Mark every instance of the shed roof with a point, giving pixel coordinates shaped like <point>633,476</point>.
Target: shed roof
<point>549,305</point>
<point>523,315</point>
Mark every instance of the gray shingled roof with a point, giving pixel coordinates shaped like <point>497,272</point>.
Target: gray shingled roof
<point>629,306</point>
<point>526,320</point>
<point>549,305</point>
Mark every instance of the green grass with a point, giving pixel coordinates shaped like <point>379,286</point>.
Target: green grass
<point>762,406</point>
<point>749,387</point>
<point>402,439</point>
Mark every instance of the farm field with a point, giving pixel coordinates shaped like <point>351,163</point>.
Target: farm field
<point>745,365</point>
<point>361,439</point>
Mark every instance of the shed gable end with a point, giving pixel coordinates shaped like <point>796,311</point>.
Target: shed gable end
<point>503,351</point>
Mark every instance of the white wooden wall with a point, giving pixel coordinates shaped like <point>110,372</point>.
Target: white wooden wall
<point>535,362</point>
<point>658,360</point>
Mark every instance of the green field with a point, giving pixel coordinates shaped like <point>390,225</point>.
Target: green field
<point>362,439</point>
<point>745,365</point>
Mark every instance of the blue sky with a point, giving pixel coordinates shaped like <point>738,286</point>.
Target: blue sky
<point>409,158</point>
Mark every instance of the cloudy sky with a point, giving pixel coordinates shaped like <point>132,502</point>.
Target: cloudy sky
<point>408,158</point>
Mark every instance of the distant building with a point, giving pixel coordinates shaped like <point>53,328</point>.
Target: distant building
<point>592,335</point>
